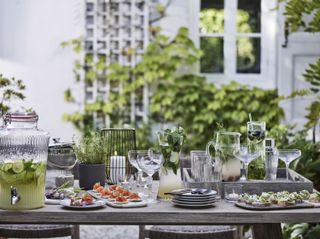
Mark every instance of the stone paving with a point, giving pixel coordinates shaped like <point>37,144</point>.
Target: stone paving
<point>107,232</point>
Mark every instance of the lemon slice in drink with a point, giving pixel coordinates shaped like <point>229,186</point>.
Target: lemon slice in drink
<point>18,166</point>
<point>41,180</point>
<point>6,167</point>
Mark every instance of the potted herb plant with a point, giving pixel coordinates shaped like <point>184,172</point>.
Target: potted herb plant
<point>90,152</point>
<point>171,141</point>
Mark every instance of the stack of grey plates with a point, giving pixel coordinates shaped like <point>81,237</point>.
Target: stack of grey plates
<point>194,198</point>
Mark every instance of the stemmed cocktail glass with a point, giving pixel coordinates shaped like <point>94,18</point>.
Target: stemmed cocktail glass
<point>246,154</point>
<point>133,159</point>
<point>287,156</point>
<point>150,162</point>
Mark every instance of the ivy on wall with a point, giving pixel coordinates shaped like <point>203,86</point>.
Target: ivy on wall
<point>305,15</point>
<point>177,95</point>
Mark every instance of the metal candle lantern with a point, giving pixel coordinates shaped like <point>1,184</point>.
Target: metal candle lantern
<point>120,141</point>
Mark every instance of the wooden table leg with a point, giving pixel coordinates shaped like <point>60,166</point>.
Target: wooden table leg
<point>267,231</point>
<point>142,232</point>
<point>75,232</point>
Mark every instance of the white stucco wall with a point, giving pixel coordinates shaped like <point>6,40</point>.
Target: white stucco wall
<point>30,35</point>
<point>177,15</point>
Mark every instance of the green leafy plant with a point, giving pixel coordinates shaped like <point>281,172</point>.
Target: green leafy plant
<point>301,230</point>
<point>11,89</point>
<point>171,142</point>
<point>312,75</point>
<point>295,12</point>
<point>90,149</point>
<point>201,106</point>
<point>176,95</point>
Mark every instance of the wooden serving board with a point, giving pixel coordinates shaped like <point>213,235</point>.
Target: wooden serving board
<point>273,206</point>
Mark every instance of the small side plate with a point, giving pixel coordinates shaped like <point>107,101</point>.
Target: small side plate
<point>95,205</point>
<point>49,201</point>
<point>142,203</point>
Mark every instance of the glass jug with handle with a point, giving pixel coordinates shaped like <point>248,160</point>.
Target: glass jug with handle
<point>226,165</point>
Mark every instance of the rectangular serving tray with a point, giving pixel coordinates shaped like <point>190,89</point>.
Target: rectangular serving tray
<point>296,183</point>
<point>273,206</point>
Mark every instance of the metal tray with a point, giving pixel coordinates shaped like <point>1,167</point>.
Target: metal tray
<point>295,183</point>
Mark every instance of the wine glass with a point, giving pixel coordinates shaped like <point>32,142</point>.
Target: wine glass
<point>256,131</point>
<point>150,162</point>
<point>287,156</point>
<point>133,159</point>
<point>246,154</point>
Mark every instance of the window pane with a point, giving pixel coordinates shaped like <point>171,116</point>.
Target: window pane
<point>212,60</point>
<point>212,16</point>
<point>248,55</point>
<point>249,16</point>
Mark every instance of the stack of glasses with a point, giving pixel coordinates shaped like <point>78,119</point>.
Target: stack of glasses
<point>194,198</point>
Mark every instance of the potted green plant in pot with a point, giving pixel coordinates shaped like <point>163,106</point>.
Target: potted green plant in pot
<point>90,152</point>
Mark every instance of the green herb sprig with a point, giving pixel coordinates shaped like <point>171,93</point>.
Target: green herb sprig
<point>171,140</point>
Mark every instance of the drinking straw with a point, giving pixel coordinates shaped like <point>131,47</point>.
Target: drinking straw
<point>250,117</point>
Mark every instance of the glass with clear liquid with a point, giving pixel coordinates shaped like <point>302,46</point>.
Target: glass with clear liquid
<point>256,132</point>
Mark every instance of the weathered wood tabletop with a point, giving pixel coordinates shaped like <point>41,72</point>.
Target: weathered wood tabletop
<point>159,213</point>
<point>266,224</point>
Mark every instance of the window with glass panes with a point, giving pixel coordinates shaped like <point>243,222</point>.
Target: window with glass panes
<point>237,38</point>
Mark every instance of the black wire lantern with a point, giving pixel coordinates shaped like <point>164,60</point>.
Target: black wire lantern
<point>119,142</point>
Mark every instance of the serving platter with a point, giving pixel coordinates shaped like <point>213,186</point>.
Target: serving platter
<point>113,203</point>
<point>273,206</point>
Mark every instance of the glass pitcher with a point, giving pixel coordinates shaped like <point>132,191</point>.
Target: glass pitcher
<point>23,160</point>
<point>226,165</point>
<point>170,173</point>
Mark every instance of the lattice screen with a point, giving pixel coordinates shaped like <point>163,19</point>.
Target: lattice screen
<point>112,27</point>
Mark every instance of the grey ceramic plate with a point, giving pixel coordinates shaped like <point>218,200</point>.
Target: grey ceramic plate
<point>193,206</point>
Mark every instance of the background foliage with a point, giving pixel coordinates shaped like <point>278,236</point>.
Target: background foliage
<point>178,96</point>
<point>10,89</point>
<point>305,15</point>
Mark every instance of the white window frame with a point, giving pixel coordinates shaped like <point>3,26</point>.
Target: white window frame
<point>266,79</point>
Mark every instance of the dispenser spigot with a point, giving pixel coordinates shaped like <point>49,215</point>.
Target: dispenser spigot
<point>15,198</point>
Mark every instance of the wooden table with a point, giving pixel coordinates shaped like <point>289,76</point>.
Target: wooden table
<point>266,223</point>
